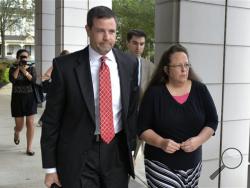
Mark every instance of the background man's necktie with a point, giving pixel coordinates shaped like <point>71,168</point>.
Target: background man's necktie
<point>105,103</point>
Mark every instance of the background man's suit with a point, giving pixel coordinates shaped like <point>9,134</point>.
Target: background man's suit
<point>69,116</point>
<point>147,70</point>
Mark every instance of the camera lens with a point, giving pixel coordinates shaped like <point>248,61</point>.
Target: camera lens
<point>23,57</point>
<point>22,62</point>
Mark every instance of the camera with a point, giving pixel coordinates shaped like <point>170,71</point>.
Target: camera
<point>54,186</point>
<point>22,62</point>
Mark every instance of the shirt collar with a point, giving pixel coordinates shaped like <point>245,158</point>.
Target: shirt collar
<point>95,56</point>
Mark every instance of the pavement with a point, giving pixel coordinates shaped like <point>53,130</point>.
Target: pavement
<point>17,170</point>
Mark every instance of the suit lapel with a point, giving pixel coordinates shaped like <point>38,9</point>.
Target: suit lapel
<point>86,86</point>
<point>85,81</point>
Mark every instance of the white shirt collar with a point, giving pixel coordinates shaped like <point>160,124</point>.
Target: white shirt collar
<point>95,56</point>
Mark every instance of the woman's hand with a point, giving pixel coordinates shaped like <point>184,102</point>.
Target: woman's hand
<point>45,77</point>
<point>169,146</point>
<point>154,139</point>
<point>23,69</point>
<point>191,144</point>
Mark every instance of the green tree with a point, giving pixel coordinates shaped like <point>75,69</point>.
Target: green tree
<point>12,14</point>
<point>135,14</point>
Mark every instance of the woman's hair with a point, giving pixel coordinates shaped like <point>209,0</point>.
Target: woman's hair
<point>20,51</point>
<point>160,76</point>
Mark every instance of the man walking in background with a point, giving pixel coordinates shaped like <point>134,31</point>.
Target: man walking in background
<point>136,43</point>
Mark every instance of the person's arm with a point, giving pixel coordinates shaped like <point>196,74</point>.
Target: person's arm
<point>210,125</point>
<point>154,139</point>
<point>13,73</point>
<point>51,119</point>
<point>16,72</point>
<point>51,178</point>
<point>193,143</point>
<point>147,118</point>
<point>51,124</point>
<point>25,72</point>
<point>133,107</point>
<point>47,74</point>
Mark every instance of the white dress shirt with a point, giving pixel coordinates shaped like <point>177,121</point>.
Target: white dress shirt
<point>139,70</point>
<point>95,64</point>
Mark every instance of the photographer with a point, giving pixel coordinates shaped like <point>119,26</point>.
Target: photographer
<point>23,103</point>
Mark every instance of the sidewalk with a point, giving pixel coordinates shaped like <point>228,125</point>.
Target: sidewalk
<point>17,170</point>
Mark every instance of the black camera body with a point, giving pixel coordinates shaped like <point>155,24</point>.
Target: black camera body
<point>55,186</point>
<point>22,62</point>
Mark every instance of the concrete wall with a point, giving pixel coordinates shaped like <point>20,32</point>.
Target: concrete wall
<point>44,34</point>
<point>60,24</point>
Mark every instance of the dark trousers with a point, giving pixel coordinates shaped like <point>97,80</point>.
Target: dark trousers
<point>106,165</point>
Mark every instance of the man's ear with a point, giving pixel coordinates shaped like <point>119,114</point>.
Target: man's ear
<point>87,29</point>
<point>127,43</point>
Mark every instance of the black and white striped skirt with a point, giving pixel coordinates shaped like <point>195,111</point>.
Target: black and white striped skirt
<point>160,176</point>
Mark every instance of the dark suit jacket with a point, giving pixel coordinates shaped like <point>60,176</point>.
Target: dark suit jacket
<point>69,117</point>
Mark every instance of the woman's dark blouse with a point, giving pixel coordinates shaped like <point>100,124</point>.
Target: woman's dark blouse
<point>23,101</point>
<point>160,112</point>
<point>21,84</point>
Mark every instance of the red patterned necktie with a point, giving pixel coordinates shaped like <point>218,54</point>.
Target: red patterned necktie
<point>105,103</point>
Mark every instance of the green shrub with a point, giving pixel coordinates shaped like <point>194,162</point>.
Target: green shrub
<point>4,72</point>
<point>5,78</point>
<point>6,62</point>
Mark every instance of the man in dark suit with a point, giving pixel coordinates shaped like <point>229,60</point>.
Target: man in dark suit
<point>136,40</point>
<point>76,151</point>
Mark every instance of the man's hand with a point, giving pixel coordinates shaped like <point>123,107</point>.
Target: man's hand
<point>51,178</point>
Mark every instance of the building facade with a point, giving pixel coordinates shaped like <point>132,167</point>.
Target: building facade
<point>15,42</point>
<point>20,34</point>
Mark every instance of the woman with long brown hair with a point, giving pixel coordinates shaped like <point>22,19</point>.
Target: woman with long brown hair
<point>177,115</point>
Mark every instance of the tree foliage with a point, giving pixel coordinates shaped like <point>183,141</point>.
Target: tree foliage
<point>135,14</point>
<point>12,13</point>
